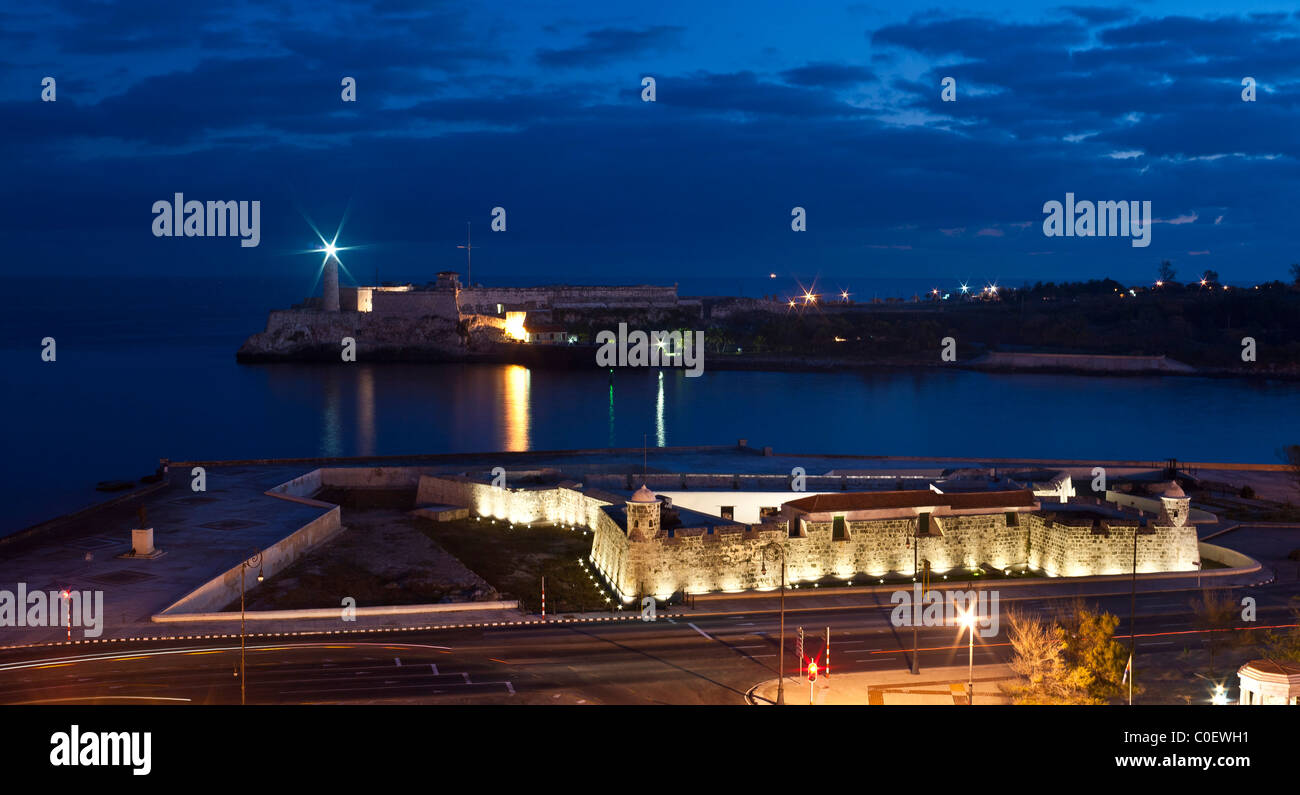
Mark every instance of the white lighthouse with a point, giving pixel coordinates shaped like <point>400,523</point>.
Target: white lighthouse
<point>330,284</point>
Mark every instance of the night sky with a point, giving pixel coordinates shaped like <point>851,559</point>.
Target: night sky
<point>760,107</point>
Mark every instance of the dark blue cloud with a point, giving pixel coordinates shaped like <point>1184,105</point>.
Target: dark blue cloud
<point>608,44</point>
<point>460,111</point>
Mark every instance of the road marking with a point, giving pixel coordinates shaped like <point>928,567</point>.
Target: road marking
<point>759,646</point>
<point>697,629</point>
<point>398,660</point>
<point>494,659</point>
<point>434,667</point>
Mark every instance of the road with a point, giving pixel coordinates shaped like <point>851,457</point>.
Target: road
<point>692,659</point>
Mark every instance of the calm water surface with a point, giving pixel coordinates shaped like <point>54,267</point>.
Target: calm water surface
<point>133,384</point>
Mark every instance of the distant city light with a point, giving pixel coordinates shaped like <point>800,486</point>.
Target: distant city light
<point>965,288</point>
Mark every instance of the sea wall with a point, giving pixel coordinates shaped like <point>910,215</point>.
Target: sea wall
<point>309,334</point>
<point>1009,360</point>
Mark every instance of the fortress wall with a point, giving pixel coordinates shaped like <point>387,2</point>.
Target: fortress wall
<point>485,299</point>
<point>1064,550</point>
<point>879,547</point>
<point>557,505</point>
<point>610,554</point>
<point>728,559</point>
<point>413,304</point>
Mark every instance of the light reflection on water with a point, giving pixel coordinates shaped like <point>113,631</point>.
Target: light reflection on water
<point>115,413</point>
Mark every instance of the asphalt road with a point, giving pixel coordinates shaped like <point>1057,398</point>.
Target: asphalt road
<point>694,659</point>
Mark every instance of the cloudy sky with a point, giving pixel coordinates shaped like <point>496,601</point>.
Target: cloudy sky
<point>761,107</point>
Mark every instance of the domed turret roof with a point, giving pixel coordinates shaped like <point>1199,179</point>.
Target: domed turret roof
<point>644,495</point>
<point>1170,490</point>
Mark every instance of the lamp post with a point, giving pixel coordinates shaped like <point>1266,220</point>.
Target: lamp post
<point>916,609</point>
<point>254,560</point>
<point>968,621</point>
<point>1132,617</point>
<point>773,547</point>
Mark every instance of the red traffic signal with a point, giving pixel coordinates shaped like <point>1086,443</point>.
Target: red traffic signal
<point>812,671</point>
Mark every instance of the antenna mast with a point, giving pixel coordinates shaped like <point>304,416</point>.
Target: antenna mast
<point>469,252</point>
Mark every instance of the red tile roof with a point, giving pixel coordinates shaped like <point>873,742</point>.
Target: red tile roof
<point>914,498</point>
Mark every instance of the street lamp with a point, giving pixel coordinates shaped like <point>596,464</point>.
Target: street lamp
<point>254,560</point>
<point>1132,614</point>
<point>968,621</point>
<point>775,548</point>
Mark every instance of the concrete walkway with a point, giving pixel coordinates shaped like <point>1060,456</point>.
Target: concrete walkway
<point>933,686</point>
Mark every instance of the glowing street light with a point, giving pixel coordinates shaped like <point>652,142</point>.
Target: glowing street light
<point>1220,695</point>
<point>967,620</point>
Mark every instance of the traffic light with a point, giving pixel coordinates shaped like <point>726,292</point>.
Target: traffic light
<point>812,670</point>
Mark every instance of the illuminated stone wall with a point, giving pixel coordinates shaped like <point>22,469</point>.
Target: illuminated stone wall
<point>695,560</point>
<point>1066,550</point>
<point>557,505</point>
<point>728,559</point>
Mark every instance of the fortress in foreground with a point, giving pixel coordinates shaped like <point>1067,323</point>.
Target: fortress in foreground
<point>690,537</point>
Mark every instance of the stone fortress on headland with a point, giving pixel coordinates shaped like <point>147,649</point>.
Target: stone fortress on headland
<point>695,534</point>
<point>443,319</point>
